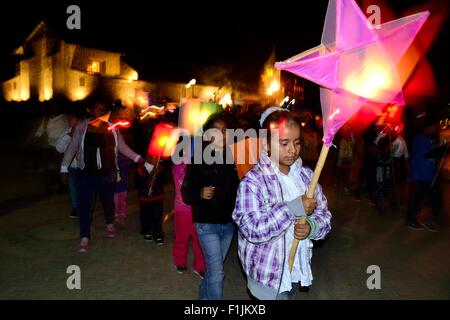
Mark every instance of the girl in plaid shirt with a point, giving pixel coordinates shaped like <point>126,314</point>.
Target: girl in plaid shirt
<point>270,197</point>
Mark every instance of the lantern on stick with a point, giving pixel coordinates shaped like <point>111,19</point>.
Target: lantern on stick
<point>163,141</point>
<point>162,145</point>
<point>354,64</point>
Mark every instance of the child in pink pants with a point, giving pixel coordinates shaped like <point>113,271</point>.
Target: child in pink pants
<point>184,228</point>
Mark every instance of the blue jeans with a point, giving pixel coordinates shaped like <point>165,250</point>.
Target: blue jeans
<point>73,187</point>
<point>215,240</point>
<point>89,185</point>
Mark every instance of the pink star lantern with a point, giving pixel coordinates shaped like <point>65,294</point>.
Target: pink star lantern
<point>355,62</point>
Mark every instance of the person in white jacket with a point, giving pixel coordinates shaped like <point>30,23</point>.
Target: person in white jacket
<point>61,146</point>
<point>46,159</point>
<point>95,145</point>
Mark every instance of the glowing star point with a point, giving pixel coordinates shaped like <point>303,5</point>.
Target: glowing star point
<point>354,68</point>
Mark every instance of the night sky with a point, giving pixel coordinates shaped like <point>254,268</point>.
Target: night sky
<point>167,40</point>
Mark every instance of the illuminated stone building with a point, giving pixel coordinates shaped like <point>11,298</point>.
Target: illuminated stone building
<point>51,67</point>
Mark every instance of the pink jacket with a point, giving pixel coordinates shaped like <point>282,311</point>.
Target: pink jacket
<point>178,172</point>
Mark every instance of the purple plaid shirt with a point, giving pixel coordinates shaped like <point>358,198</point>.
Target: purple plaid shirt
<point>263,218</point>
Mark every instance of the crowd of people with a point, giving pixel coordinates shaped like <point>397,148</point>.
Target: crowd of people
<point>391,171</point>
<point>212,201</point>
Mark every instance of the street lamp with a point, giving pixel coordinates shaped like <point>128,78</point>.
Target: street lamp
<point>191,84</point>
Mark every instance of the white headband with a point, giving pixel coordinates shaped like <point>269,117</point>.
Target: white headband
<point>267,113</point>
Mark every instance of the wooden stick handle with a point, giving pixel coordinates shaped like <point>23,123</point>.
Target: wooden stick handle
<point>309,194</point>
<point>301,220</point>
<point>440,166</point>
<point>318,171</point>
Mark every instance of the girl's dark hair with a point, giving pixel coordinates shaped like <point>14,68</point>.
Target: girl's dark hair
<point>212,119</point>
<point>77,112</point>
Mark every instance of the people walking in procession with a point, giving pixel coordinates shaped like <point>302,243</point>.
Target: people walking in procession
<point>96,149</point>
<point>423,178</point>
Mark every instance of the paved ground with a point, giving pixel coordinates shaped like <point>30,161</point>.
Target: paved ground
<point>38,242</point>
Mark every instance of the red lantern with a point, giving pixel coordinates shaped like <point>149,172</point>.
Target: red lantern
<point>163,141</point>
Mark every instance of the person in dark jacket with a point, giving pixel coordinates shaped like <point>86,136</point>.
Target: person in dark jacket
<point>211,191</point>
<point>96,146</point>
<point>423,178</point>
<point>150,187</point>
<point>384,174</point>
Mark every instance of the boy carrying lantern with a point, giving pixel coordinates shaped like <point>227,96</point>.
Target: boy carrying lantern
<point>150,184</point>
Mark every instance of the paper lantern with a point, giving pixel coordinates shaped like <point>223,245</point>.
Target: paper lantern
<point>208,109</point>
<point>188,118</point>
<point>246,153</point>
<point>194,113</point>
<point>163,141</point>
<point>355,63</point>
